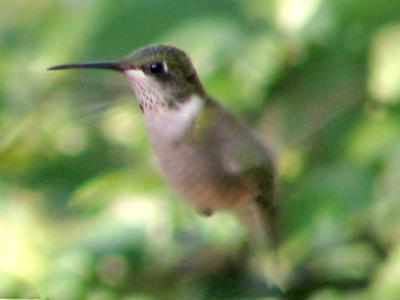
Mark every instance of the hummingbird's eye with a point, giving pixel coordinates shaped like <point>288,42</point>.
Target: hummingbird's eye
<point>157,68</point>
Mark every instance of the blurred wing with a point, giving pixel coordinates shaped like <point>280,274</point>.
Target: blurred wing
<point>244,163</point>
<point>246,158</point>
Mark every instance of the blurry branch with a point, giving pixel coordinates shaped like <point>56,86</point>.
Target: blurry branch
<point>225,276</point>
<point>308,282</point>
<point>305,281</point>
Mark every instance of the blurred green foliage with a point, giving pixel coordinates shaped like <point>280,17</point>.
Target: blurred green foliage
<point>84,214</point>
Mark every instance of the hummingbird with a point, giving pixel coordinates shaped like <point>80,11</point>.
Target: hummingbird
<point>205,153</point>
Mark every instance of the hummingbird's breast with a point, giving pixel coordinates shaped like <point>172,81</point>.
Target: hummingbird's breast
<point>192,165</point>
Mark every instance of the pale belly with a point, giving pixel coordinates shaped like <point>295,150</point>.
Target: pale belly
<point>199,178</point>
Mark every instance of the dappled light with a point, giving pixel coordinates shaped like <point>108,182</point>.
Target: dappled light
<point>84,212</point>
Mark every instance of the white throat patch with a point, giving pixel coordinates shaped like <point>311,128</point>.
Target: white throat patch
<point>171,124</point>
<point>162,123</point>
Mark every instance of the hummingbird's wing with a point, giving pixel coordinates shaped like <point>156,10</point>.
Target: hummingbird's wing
<point>243,157</point>
<point>253,164</point>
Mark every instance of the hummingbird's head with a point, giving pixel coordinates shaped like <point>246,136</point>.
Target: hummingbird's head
<point>164,72</point>
<point>159,74</point>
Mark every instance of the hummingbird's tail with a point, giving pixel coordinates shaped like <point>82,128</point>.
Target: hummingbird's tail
<point>261,217</point>
<point>263,228</point>
<point>263,210</point>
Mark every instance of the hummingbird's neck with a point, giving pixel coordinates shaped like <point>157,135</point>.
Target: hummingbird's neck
<point>168,125</point>
<point>153,99</point>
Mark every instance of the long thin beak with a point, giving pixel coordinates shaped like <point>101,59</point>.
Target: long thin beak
<point>116,66</point>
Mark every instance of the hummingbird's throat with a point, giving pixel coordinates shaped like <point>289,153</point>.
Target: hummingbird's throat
<point>147,92</point>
